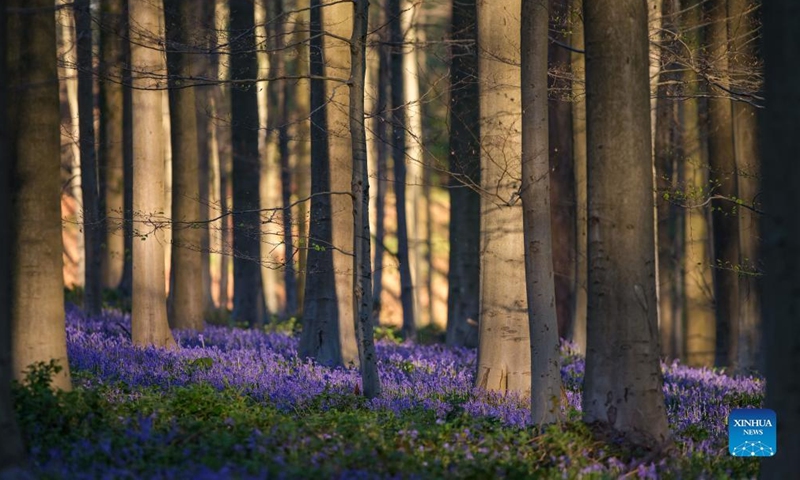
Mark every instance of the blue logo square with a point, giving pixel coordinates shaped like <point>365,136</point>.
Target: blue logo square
<point>752,432</point>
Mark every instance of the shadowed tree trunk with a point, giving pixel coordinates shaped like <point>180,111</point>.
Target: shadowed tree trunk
<point>186,306</point>
<point>535,195</point>
<point>328,328</point>
<point>381,172</point>
<point>92,228</point>
<point>623,383</point>
<point>780,248</point>
<point>110,150</point>
<point>248,302</point>
<point>149,314</point>
<point>723,179</point>
<point>126,284</point>
<point>463,277</point>
<point>504,356</point>
<point>38,332</point>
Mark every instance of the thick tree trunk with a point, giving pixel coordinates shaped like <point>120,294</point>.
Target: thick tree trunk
<point>149,315</point>
<point>535,195</point>
<point>723,179</point>
<point>623,383</point>
<point>742,31</point>
<point>562,171</point>
<point>780,248</point>
<point>504,356</point>
<point>110,151</point>
<point>362,270</point>
<point>248,301</point>
<point>92,228</point>
<point>399,124</point>
<point>186,306</point>
<point>578,328</point>
<point>328,328</point>
<point>38,333</point>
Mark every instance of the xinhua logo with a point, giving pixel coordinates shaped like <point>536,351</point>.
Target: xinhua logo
<point>752,433</point>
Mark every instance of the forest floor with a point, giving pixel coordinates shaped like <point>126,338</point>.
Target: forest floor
<point>235,403</point>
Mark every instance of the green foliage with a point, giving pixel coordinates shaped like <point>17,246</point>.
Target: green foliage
<point>389,334</point>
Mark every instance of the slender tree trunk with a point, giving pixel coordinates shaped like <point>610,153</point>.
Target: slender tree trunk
<point>723,178</point>
<point>126,284</point>
<point>222,101</point>
<point>93,233</point>
<point>504,356</point>
<point>578,328</point>
<point>328,328</point>
<point>780,230</point>
<point>399,160</point>
<point>149,315</point>
<point>562,171</point>
<point>535,195</point>
<point>623,383</point>
<point>248,302</point>
<point>698,340</point>
<point>110,151</point>
<point>186,307</point>
<point>38,333</point>
<point>742,31</point>
<point>362,270</point>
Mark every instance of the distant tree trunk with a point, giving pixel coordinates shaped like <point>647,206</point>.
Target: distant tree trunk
<point>535,195</point>
<point>149,315</point>
<point>38,333</point>
<point>463,277</point>
<point>248,302</point>
<point>399,160</point>
<point>381,172</point>
<point>12,450</point>
<point>126,284</point>
<point>362,270</point>
<point>562,171</point>
<point>623,383</point>
<point>668,179</point>
<point>743,32</point>
<point>578,328</point>
<point>504,356</point>
<point>723,179</point>
<point>780,247</point>
<point>698,339</point>
<point>186,307</point>
<point>93,233</point>
<point>111,147</point>
<point>328,328</point>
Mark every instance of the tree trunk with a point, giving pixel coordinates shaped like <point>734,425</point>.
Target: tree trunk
<point>780,230</point>
<point>149,315</point>
<point>93,233</point>
<point>723,179</point>
<point>504,356</point>
<point>535,195</point>
<point>328,328</point>
<point>742,30</point>
<point>186,307</point>
<point>38,333</point>
<point>562,171</point>
<point>577,332</point>
<point>248,302</point>
<point>399,125</point>
<point>126,284</point>
<point>110,151</point>
<point>698,339</point>
<point>362,270</point>
<point>623,382</point>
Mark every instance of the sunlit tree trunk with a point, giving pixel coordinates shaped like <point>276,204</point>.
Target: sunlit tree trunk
<point>186,306</point>
<point>780,248</point>
<point>623,382</point>
<point>504,356</point>
<point>723,179</point>
<point>38,332</point>
<point>149,315</point>
<point>535,195</point>
<point>110,149</point>
<point>743,31</point>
